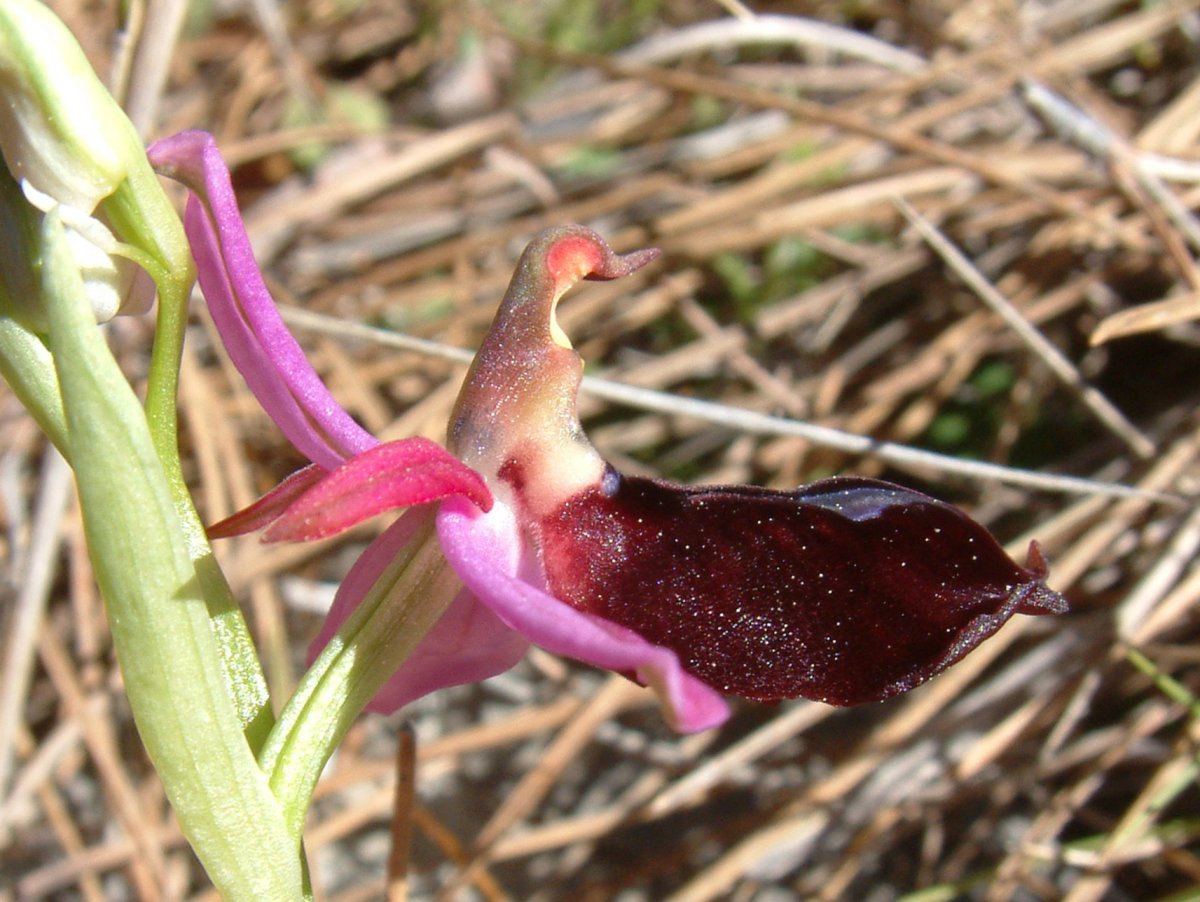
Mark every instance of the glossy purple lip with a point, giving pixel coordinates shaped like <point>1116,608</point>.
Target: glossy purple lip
<point>844,591</point>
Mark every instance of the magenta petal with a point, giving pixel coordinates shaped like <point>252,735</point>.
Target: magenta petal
<point>467,644</point>
<point>386,477</point>
<point>267,508</point>
<point>262,348</point>
<point>485,550</point>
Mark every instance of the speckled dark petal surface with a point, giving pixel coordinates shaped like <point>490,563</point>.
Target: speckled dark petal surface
<point>844,591</point>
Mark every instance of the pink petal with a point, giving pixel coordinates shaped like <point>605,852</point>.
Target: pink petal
<point>366,570</point>
<point>262,348</point>
<point>386,477</point>
<point>486,552</point>
<point>268,508</point>
<point>468,644</point>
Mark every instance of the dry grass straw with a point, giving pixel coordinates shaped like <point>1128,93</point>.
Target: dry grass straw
<point>1045,766</point>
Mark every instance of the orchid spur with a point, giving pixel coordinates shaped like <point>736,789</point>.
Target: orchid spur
<point>847,590</point>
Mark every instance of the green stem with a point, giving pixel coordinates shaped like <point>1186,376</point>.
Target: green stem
<point>139,202</point>
<point>395,614</point>
<point>140,208</point>
<point>163,634</point>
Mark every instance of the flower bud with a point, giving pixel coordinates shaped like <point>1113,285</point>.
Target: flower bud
<point>60,130</point>
<point>71,148</point>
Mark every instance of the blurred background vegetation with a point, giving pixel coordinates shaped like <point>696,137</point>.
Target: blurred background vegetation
<point>392,158</point>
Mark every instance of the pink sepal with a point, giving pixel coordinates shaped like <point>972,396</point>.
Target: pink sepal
<point>468,643</point>
<point>388,476</point>
<point>485,550</point>
<point>262,348</point>
<point>268,508</point>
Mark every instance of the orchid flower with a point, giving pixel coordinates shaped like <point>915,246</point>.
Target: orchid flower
<point>845,591</point>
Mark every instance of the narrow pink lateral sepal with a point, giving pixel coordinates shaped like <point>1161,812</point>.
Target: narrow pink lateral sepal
<point>267,509</point>
<point>388,476</point>
<point>262,348</point>
<point>468,643</point>
<point>485,550</point>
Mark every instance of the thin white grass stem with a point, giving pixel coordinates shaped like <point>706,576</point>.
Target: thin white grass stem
<point>1172,169</point>
<point>793,30</point>
<point>1071,123</point>
<point>1155,584</point>
<point>891,452</point>
<point>157,37</point>
<point>748,421</point>
<point>344,329</point>
<point>1093,136</point>
<point>1104,409</point>
<point>1181,217</point>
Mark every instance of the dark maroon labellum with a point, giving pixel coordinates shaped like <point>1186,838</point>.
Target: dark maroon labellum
<point>844,591</point>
